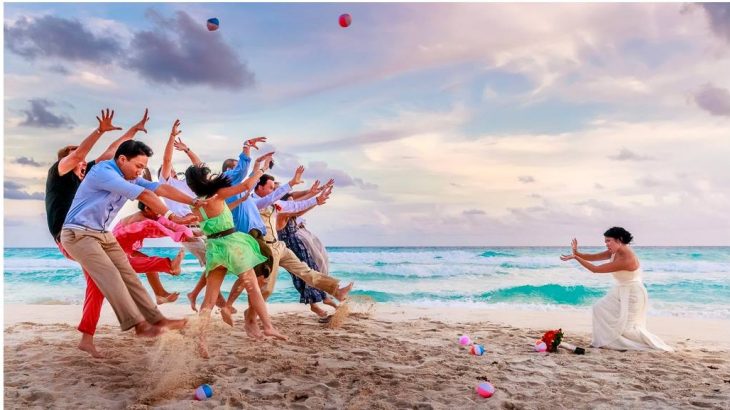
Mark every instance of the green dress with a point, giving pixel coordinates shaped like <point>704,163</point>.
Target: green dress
<point>237,252</point>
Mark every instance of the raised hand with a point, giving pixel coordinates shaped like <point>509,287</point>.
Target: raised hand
<point>574,245</point>
<point>253,141</point>
<point>329,183</point>
<point>140,126</point>
<point>314,188</point>
<point>297,179</point>
<point>105,122</point>
<point>179,145</point>
<point>175,132</point>
<point>324,196</point>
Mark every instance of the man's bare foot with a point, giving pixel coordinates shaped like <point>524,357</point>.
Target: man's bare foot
<point>253,331</point>
<point>172,324</point>
<point>226,314</point>
<point>91,349</point>
<point>171,297</point>
<point>275,333</point>
<point>192,298</point>
<point>341,293</point>
<point>175,265</point>
<point>145,329</point>
<point>317,310</point>
<point>329,302</point>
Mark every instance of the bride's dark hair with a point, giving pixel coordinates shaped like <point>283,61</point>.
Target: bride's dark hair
<point>619,233</point>
<point>202,183</point>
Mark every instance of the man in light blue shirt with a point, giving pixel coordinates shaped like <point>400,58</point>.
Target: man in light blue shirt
<point>87,238</point>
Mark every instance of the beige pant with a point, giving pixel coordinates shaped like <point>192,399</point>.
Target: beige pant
<point>285,258</point>
<point>107,264</point>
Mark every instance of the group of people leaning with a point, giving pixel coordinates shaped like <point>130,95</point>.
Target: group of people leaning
<point>239,222</point>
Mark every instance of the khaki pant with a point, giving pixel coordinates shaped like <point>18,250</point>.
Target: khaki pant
<point>263,269</point>
<point>284,257</point>
<point>107,264</point>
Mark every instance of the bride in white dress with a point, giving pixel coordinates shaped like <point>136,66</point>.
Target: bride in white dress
<point>619,318</point>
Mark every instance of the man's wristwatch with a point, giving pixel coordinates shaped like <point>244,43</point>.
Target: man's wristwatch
<point>195,203</point>
<point>169,214</point>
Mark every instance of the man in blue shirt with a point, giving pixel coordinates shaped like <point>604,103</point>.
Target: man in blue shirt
<point>87,238</point>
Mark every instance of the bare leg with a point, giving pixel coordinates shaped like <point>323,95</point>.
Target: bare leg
<point>329,302</point>
<point>193,296</point>
<point>87,345</point>
<point>258,304</point>
<point>215,279</point>
<point>252,328</point>
<point>161,295</point>
<point>175,265</point>
<point>317,310</point>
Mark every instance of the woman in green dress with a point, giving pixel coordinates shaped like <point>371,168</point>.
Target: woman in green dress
<point>228,251</point>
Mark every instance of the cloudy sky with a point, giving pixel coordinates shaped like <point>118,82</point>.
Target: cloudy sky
<point>462,124</point>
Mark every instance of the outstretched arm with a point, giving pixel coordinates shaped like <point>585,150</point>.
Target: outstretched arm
<point>70,161</point>
<point>167,156</point>
<point>233,205</point>
<point>246,185</point>
<point>617,264</point>
<point>181,146</point>
<point>112,149</point>
<point>589,256</point>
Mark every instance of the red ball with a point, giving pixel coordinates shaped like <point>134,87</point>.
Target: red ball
<point>345,20</point>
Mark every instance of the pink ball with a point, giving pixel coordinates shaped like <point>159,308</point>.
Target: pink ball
<point>464,340</point>
<point>540,346</point>
<point>485,390</point>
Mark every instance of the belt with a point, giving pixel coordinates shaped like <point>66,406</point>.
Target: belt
<point>258,235</point>
<point>221,233</point>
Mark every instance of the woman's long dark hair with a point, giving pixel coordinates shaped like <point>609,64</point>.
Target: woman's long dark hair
<point>202,183</point>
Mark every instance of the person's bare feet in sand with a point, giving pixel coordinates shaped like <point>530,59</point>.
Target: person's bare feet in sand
<point>341,293</point>
<point>172,324</point>
<point>171,297</point>
<point>87,345</point>
<point>192,298</point>
<point>226,314</point>
<point>175,265</point>
<point>253,331</point>
<point>144,329</point>
<point>275,333</point>
<point>317,310</point>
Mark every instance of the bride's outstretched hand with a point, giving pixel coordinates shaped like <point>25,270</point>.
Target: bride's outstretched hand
<point>566,257</point>
<point>574,245</point>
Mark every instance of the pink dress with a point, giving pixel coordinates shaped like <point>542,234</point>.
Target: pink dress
<point>132,236</point>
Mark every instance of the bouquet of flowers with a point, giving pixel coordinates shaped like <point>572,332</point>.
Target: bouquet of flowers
<point>552,339</point>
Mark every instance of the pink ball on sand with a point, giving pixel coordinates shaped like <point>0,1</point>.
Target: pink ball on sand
<point>540,346</point>
<point>464,340</point>
<point>485,390</point>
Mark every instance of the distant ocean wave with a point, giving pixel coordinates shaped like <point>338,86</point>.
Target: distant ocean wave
<point>687,281</point>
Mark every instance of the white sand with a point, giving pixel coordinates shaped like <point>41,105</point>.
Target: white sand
<point>398,356</point>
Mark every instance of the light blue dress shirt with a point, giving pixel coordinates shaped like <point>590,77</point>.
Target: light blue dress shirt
<point>101,195</point>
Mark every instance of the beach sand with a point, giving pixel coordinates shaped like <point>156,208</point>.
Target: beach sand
<point>381,357</point>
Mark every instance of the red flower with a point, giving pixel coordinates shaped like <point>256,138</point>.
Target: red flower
<point>277,207</point>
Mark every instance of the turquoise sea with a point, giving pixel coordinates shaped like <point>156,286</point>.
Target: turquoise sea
<point>682,281</point>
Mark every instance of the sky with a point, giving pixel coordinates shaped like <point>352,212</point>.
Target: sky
<point>442,124</point>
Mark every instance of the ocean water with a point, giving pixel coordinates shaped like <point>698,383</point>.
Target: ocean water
<point>681,281</point>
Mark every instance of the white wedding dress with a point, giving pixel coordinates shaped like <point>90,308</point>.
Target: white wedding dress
<point>619,318</point>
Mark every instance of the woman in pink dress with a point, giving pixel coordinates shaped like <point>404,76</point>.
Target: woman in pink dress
<point>131,232</point>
